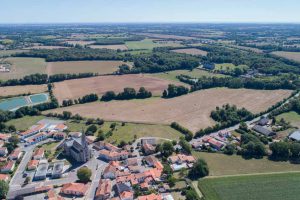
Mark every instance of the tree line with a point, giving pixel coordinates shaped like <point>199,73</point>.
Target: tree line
<point>128,93</point>
<point>174,91</point>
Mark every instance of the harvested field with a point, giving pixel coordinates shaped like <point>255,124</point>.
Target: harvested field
<point>73,89</point>
<point>47,47</point>
<point>191,51</point>
<point>164,36</point>
<point>76,67</point>
<point>192,110</point>
<point>113,47</point>
<point>23,66</point>
<point>24,89</point>
<point>256,50</point>
<point>289,55</point>
<point>80,42</point>
<point>10,52</point>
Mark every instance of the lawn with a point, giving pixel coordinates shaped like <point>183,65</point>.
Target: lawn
<point>292,117</point>
<point>221,164</point>
<point>254,187</point>
<point>128,131</point>
<point>146,44</point>
<point>196,73</point>
<point>24,66</point>
<point>24,123</point>
<point>229,66</point>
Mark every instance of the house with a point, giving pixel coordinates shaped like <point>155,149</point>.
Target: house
<point>262,130</point>
<point>4,177</point>
<point>59,135</point>
<point>105,145</point>
<point>122,187</point>
<point>51,195</point>
<point>32,131</point>
<point>32,164</point>
<point>216,144</point>
<point>4,137</point>
<point>150,160</point>
<point>41,171</point>
<point>104,189</point>
<point>263,121</point>
<point>77,149</point>
<point>151,197</point>
<point>3,151</point>
<point>111,170</point>
<point>295,135</point>
<point>75,189</point>
<point>1,143</point>
<point>209,66</point>
<point>58,168</point>
<point>39,154</point>
<point>60,127</point>
<point>181,158</point>
<point>40,137</point>
<point>131,162</point>
<point>126,195</point>
<point>8,167</point>
<point>112,155</point>
<point>15,155</point>
<point>148,148</point>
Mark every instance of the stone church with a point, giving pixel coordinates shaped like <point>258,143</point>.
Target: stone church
<point>77,148</point>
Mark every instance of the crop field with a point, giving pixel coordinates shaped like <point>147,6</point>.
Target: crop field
<point>292,117</point>
<point>192,110</point>
<point>195,73</point>
<point>20,90</point>
<point>76,67</point>
<point>289,55</point>
<point>165,36</point>
<point>23,66</point>
<point>255,187</point>
<point>10,52</point>
<point>256,50</point>
<point>146,44</point>
<point>222,165</point>
<point>47,47</point>
<point>113,47</point>
<point>192,51</point>
<point>80,42</point>
<point>72,89</point>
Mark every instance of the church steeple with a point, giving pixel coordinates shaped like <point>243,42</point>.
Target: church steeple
<point>83,137</point>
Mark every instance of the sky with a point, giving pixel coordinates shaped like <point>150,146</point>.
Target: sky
<point>106,11</point>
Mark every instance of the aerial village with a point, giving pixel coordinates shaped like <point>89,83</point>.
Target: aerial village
<point>135,171</point>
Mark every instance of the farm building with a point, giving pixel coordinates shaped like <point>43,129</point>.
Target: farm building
<point>295,135</point>
<point>263,121</point>
<point>264,131</point>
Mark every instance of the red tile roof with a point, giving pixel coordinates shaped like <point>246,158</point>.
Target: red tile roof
<point>74,187</point>
<point>104,188</point>
<point>39,152</point>
<point>150,197</point>
<point>4,177</point>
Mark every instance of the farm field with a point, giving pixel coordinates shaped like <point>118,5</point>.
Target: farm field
<point>10,52</point>
<point>192,51</point>
<point>23,66</point>
<point>76,67</point>
<point>73,89</point>
<point>80,42</point>
<point>192,110</point>
<point>256,50</point>
<point>147,44</point>
<point>289,55</point>
<point>195,73</point>
<point>255,187</point>
<point>165,36</point>
<point>20,90</point>
<point>224,165</point>
<point>113,47</point>
<point>47,47</point>
<point>292,117</point>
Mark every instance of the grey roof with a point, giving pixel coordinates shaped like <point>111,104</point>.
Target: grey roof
<point>263,121</point>
<point>58,167</point>
<point>41,170</point>
<point>263,130</point>
<point>295,135</point>
<point>123,187</point>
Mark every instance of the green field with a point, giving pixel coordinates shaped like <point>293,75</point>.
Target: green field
<point>147,44</point>
<point>196,73</point>
<point>10,52</point>
<point>24,123</point>
<point>24,66</point>
<point>292,117</point>
<point>229,67</point>
<point>253,187</point>
<point>221,164</point>
<point>128,131</point>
